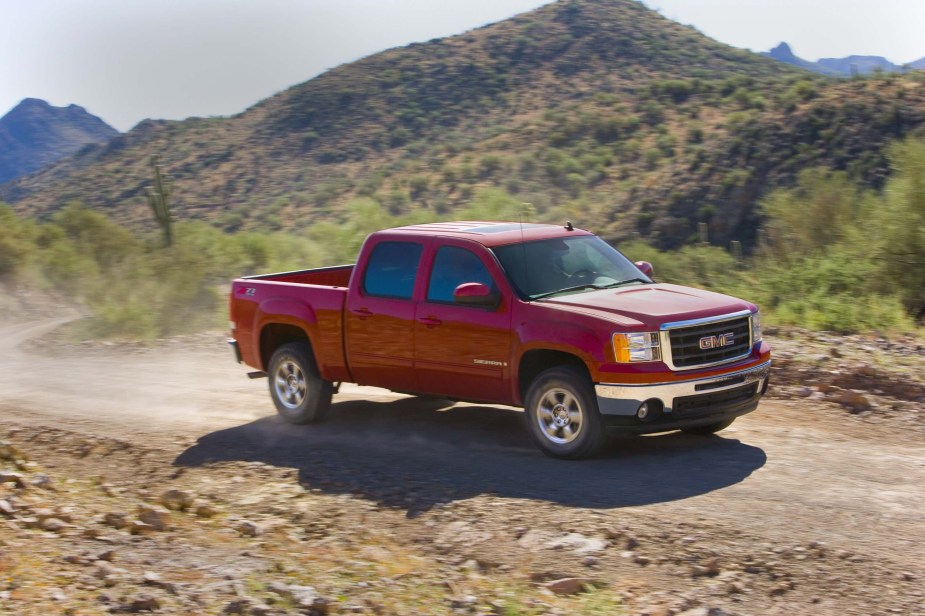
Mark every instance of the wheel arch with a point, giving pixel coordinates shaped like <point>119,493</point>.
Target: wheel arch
<point>275,335</point>
<point>535,361</point>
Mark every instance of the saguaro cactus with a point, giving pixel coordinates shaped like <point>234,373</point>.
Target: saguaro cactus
<point>159,200</point>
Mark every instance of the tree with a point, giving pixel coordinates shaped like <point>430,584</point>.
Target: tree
<point>901,224</point>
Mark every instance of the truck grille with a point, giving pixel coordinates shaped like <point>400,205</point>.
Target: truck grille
<point>710,343</point>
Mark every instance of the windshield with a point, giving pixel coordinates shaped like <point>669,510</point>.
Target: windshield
<point>562,265</point>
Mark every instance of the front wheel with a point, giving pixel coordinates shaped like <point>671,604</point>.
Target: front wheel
<point>562,414</point>
<point>300,394</point>
<point>708,429</point>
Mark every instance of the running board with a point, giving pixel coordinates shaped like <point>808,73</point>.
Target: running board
<point>256,375</point>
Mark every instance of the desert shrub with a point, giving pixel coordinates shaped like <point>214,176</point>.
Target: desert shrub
<point>17,242</point>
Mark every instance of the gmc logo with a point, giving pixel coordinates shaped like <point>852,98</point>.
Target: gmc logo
<point>716,342</point>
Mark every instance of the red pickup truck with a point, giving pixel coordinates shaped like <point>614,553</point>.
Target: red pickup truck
<point>548,318</point>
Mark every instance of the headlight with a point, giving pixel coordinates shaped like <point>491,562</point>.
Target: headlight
<point>756,327</point>
<point>641,346</point>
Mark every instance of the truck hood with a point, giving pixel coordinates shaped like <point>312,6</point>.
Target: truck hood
<point>649,306</point>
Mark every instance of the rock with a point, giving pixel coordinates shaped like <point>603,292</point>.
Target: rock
<point>43,514</point>
<point>6,507</point>
<point>115,519</point>
<point>535,540</point>
<point>10,452</point>
<point>703,611</point>
<point>14,478</point>
<point>205,510</point>
<point>641,560</point>
<point>155,517</point>
<point>568,586</point>
<point>151,579</point>
<point>137,527</point>
<point>143,603</point>
<point>43,481</point>
<point>305,597</point>
<point>177,500</point>
<point>851,398</point>
<point>697,611</point>
<point>248,528</point>
<point>779,589</point>
<point>735,588</point>
<point>709,567</point>
<point>579,544</point>
<point>52,525</point>
<point>239,606</point>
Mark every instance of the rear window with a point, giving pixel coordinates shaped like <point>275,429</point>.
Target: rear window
<point>392,270</point>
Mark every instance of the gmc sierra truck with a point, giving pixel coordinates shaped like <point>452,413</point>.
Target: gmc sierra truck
<point>549,318</point>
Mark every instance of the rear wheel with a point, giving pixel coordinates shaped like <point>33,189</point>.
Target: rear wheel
<point>562,414</point>
<point>300,394</point>
<point>712,428</point>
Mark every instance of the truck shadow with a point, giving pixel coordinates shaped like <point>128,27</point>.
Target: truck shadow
<point>414,454</point>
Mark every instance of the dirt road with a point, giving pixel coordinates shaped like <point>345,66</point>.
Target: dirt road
<point>799,507</point>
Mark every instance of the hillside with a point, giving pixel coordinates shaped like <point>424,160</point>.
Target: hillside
<point>626,120</point>
<point>34,134</point>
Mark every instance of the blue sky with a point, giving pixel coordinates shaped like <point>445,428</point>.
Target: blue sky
<point>126,60</point>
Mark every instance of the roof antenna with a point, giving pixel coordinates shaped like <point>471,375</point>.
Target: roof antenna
<point>568,225</point>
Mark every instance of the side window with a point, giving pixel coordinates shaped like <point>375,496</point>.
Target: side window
<point>452,267</point>
<point>392,269</point>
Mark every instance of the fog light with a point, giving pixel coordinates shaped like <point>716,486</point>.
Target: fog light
<point>650,410</point>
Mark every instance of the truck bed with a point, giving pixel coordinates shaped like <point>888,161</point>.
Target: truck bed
<point>337,276</point>
<point>264,306</point>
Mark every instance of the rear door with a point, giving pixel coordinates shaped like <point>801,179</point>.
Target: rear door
<point>380,316</point>
<point>463,351</point>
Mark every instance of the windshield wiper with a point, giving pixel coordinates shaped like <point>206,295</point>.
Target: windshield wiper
<point>623,282</point>
<point>582,287</point>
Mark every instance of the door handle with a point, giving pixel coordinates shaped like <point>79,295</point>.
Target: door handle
<point>363,313</point>
<point>431,321</point>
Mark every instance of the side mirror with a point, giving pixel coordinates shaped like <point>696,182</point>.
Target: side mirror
<point>475,294</point>
<point>645,267</point>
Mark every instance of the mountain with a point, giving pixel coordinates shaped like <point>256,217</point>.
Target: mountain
<point>841,67</point>
<point>783,53</point>
<point>858,65</point>
<point>34,134</point>
<point>603,109</point>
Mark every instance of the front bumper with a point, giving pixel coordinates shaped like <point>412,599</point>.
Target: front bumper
<point>683,404</point>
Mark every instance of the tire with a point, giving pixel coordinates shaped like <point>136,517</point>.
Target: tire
<point>708,429</point>
<point>300,394</point>
<point>562,414</point>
